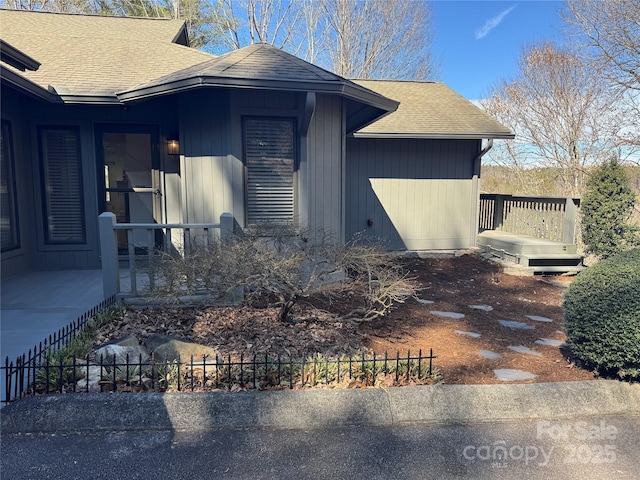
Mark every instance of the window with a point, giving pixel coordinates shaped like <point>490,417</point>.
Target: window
<point>62,185</point>
<point>270,161</point>
<point>8,210</point>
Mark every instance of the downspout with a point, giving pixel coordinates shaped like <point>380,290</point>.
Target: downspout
<point>476,189</point>
<point>478,159</point>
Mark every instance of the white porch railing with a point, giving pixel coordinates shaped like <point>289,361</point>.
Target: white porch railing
<point>110,255</point>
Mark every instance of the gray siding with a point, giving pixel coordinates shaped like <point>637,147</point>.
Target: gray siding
<point>212,179</point>
<point>212,166</point>
<point>322,171</point>
<point>419,194</point>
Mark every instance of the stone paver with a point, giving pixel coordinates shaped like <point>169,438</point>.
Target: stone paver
<point>425,302</point>
<point>523,349</point>
<point>469,334</point>
<point>537,318</point>
<point>486,308</point>
<point>512,375</point>
<point>512,324</point>
<point>489,354</point>
<point>551,342</point>
<point>447,314</point>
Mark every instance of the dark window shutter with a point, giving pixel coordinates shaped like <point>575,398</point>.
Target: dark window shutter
<point>62,177</point>
<point>270,161</point>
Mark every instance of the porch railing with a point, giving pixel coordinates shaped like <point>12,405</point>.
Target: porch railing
<point>144,240</point>
<point>552,218</point>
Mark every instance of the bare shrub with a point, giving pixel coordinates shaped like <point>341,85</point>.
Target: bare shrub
<point>281,262</point>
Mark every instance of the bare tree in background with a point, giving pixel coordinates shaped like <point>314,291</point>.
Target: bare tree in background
<point>355,39</point>
<point>260,21</point>
<point>379,39</point>
<point>610,29</point>
<point>563,113</point>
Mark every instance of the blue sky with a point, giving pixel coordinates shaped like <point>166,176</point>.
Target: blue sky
<point>478,42</point>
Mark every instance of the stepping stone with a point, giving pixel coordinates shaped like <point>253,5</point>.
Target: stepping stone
<point>510,375</point>
<point>489,354</point>
<point>536,318</point>
<point>528,351</point>
<point>486,308</point>
<point>470,334</point>
<point>425,302</point>
<point>520,325</point>
<point>550,342</point>
<point>448,314</point>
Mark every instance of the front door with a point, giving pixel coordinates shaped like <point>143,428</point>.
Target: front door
<point>129,176</point>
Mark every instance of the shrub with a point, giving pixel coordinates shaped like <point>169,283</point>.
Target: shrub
<point>606,208</point>
<point>281,262</point>
<point>602,316</point>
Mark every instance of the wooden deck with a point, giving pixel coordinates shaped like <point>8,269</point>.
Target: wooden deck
<point>537,254</point>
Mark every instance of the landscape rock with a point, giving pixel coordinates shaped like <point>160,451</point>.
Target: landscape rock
<point>122,352</point>
<point>178,349</point>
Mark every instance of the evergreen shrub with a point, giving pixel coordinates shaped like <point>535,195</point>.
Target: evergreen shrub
<point>606,208</point>
<point>602,316</point>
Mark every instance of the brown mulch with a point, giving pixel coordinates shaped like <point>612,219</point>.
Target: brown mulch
<point>454,284</point>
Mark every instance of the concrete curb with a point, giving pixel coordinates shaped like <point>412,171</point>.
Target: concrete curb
<point>318,408</point>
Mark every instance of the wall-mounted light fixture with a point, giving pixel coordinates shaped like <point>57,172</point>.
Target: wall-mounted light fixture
<point>173,147</point>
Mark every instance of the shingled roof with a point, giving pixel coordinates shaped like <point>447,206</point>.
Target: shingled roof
<point>430,110</point>
<point>89,58</point>
<point>260,66</point>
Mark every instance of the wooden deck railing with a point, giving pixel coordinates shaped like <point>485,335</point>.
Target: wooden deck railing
<point>169,238</point>
<point>552,218</point>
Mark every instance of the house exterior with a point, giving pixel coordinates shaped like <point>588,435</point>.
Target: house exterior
<point>94,108</point>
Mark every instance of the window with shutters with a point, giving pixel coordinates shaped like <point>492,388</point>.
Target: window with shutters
<point>8,205</point>
<point>62,185</point>
<point>269,146</point>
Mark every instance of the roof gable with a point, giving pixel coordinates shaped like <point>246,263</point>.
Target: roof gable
<point>430,110</point>
<point>257,65</point>
<point>263,66</point>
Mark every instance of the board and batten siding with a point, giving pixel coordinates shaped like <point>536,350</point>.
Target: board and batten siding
<point>321,189</point>
<point>212,164</point>
<point>212,178</point>
<point>418,194</point>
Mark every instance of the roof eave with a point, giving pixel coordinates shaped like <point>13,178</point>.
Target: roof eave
<point>348,91</point>
<point>438,135</point>
<point>24,85</point>
<point>16,58</point>
<point>89,99</point>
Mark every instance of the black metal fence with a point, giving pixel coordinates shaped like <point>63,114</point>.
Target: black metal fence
<point>17,374</point>
<point>113,374</point>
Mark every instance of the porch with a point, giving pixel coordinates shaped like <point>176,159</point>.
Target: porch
<point>537,233</point>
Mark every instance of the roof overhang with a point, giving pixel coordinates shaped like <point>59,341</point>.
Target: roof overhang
<point>84,98</point>
<point>438,135</point>
<point>350,91</point>
<point>16,58</point>
<point>20,83</point>
<point>363,106</point>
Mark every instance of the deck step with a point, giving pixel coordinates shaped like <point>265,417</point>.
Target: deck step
<point>522,244</point>
<point>535,254</point>
<point>557,260</point>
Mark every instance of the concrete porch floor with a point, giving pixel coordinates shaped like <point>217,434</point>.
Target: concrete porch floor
<point>37,304</point>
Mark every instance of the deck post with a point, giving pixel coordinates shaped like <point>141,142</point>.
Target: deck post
<point>108,255</point>
<point>226,226</point>
<point>570,219</point>
<point>498,211</point>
